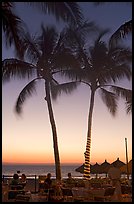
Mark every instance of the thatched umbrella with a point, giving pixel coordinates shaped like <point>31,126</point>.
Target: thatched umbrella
<point>104,167</point>
<point>117,163</point>
<point>95,169</point>
<point>81,168</point>
<point>124,167</point>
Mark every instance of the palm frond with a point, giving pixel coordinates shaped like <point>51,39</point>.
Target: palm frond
<point>121,33</point>
<point>101,34</point>
<point>73,74</point>
<point>67,88</point>
<point>64,59</point>
<point>26,92</point>
<point>47,40</point>
<point>129,106</point>
<point>110,100</point>
<point>120,54</point>
<point>120,72</point>
<point>31,47</point>
<point>124,93</point>
<point>67,11</point>
<point>12,68</point>
<point>13,28</point>
<point>75,35</point>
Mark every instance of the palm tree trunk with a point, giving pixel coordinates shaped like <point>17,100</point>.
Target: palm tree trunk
<point>52,121</point>
<point>88,145</point>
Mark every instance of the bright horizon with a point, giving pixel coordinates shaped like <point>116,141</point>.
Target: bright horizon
<point>28,139</point>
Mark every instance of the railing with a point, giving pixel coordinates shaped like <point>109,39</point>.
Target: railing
<point>35,177</point>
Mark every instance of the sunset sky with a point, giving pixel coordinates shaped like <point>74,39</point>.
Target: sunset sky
<point>28,139</point>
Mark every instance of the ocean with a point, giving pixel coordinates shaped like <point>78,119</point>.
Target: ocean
<point>41,169</point>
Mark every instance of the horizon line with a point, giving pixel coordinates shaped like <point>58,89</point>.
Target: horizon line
<point>35,163</point>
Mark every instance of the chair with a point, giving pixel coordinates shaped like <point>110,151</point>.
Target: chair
<point>96,185</point>
<point>67,194</point>
<point>108,193</point>
<point>22,198</point>
<point>13,193</point>
<point>126,189</point>
<point>80,194</point>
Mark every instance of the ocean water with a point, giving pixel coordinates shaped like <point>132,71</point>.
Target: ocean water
<point>42,169</point>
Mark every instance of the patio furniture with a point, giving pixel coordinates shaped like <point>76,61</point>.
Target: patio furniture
<point>106,195</point>
<point>67,194</point>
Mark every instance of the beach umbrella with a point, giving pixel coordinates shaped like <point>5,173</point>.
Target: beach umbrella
<point>95,169</point>
<point>124,167</point>
<point>104,167</point>
<point>81,168</point>
<point>117,163</point>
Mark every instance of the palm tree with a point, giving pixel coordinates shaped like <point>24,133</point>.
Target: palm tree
<point>45,55</point>
<point>14,27</point>
<point>101,67</point>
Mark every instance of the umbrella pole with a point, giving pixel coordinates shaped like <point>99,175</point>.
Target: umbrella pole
<point>127,159</point>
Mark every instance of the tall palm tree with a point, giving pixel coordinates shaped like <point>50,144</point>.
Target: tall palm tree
<point>45,55</point>
<point>14,27</point>
<point>101,67</point>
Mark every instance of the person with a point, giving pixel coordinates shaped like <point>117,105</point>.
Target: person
<point>15,183</point>
<point>48,187</point>
<point>48,181</point>
<point>70,181</point>
<point>23,180</point>
<point>15,180</point>
<point>114,174</point>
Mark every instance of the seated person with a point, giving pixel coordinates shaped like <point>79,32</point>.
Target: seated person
<point>70,181</point>
<point>23,180</point>
<point>48,187</point>
<point>15,183</point>
<point>48,181</point>
<point>15,180</point>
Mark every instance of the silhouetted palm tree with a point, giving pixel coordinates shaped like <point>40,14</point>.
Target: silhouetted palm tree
<point>101,67</point>
<point>45,55</point>
<point>13,25</point>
